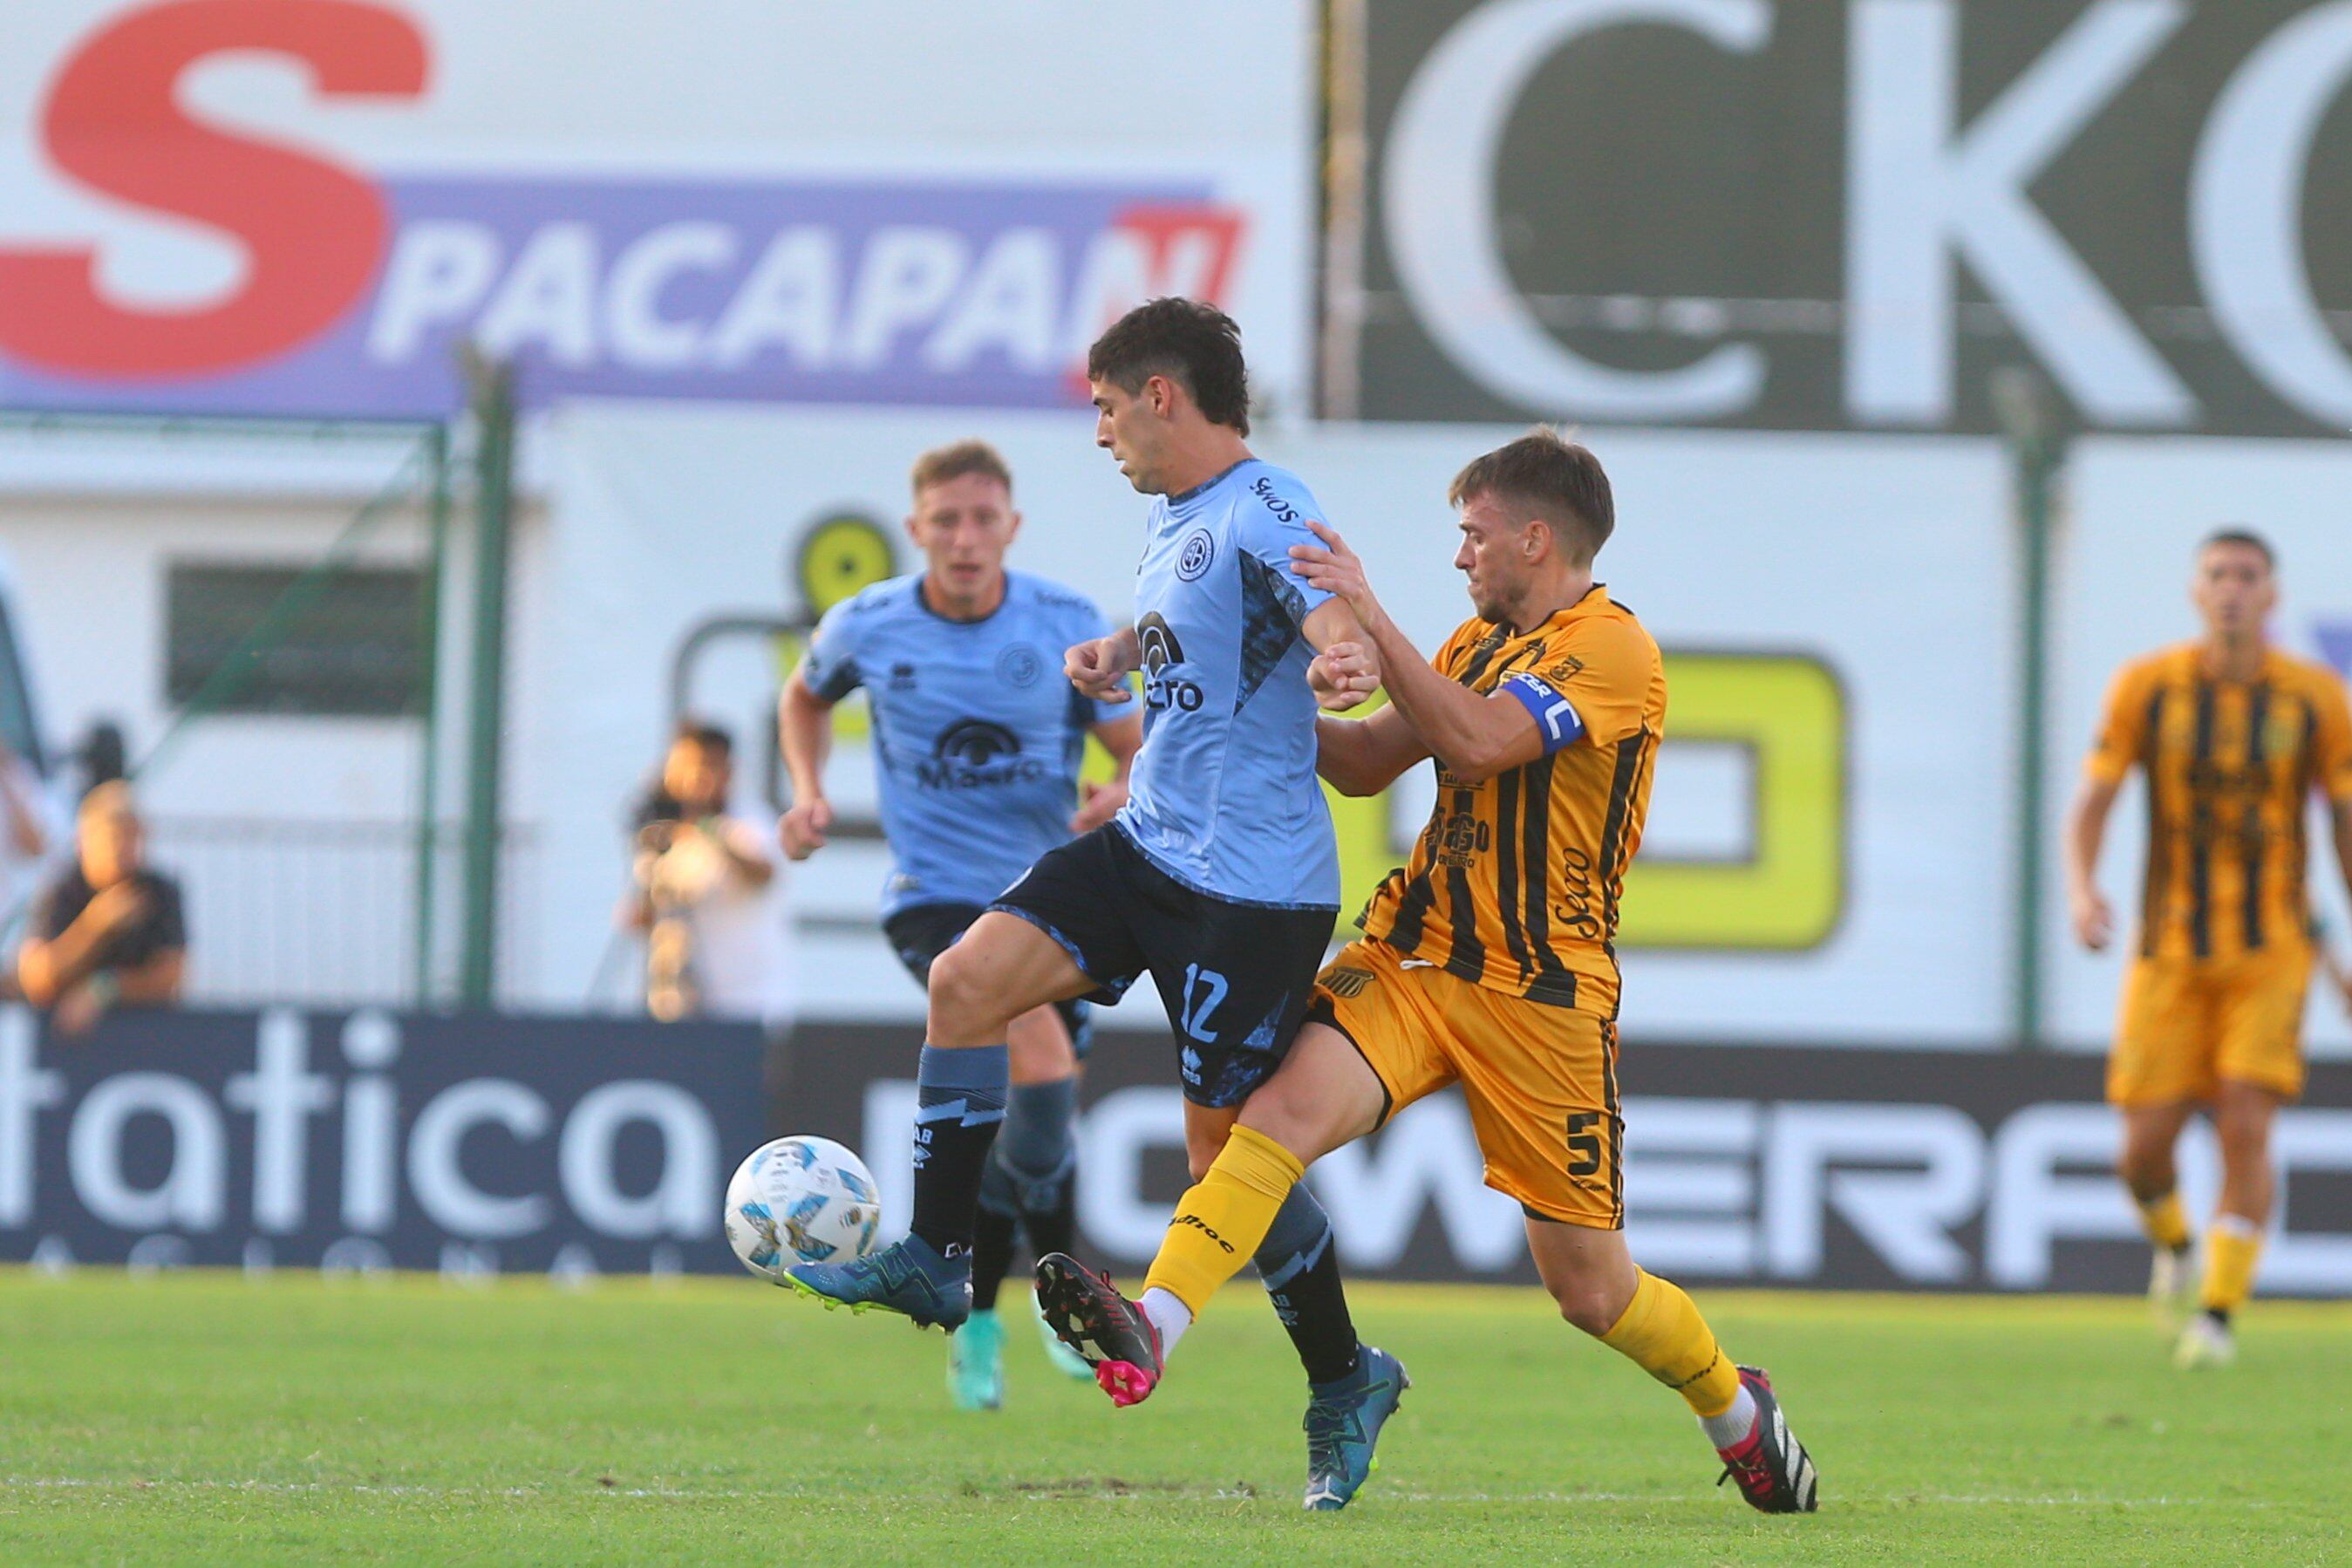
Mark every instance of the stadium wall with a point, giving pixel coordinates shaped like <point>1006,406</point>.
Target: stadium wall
<point>368,1140</point>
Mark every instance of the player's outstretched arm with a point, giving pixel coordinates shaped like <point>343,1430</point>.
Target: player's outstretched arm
<point>1364,756</point>
<point>2086,829</point>
<point>804,728</point>
<point>1475,737</point>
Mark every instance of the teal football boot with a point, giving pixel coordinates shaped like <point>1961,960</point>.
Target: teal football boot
<point>906,1277</point>
<point>1344,1418</point>
<point>976,1363</point>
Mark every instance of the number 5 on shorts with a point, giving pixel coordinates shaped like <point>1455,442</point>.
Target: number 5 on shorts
<point>1583,1145</point>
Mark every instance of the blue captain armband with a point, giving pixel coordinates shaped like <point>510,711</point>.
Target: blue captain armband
<point>1553,714</point>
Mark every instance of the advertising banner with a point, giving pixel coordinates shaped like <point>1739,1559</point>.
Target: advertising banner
<point>1846,214</point>
<point>1859,1168</point>
<point>370,1141</point>
<point>304,209</point>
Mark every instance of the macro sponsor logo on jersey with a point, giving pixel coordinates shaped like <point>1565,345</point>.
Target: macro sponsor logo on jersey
<point>356,287</point>
<point>976,754</point>
<point>1161,653</point>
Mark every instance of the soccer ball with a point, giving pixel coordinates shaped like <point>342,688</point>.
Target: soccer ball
<point>801,1200</point>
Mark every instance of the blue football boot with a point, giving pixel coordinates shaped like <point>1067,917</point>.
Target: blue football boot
<point>1343,1425</point>
<point>906,1277</point>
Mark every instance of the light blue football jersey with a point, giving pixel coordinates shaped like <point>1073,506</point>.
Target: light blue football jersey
<point>977,733</point>
<point>1223,796</point>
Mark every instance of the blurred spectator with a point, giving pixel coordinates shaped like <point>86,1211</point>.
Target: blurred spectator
<point>715,934</point>
<point>108,929</point>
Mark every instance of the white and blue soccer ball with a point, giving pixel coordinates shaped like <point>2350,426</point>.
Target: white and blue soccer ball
<point>801,1200</point>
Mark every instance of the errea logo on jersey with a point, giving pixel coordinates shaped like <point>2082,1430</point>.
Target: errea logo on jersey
<point>358,286</point>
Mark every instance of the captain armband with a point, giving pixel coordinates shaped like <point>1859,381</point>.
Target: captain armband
<point>1555,716</point>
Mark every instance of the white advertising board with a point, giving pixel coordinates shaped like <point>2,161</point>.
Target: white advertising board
<point>1830,845</point>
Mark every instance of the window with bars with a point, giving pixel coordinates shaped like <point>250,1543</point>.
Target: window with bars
<point>352,649</point>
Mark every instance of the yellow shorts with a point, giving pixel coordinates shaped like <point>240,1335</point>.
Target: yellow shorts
<point>2186,1025</point>
<point>1542,1081</point>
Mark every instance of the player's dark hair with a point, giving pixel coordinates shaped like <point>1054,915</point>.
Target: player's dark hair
<point>2245,536</point>
<point>708,736</point>
<point>1196,345</point>
<point>956,460</point>
<point>1546,476</point>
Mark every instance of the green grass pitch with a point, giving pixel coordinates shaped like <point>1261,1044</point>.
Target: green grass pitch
<point>207,1417</point>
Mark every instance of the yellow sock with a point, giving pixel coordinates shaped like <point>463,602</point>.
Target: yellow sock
<point>1661,1332</point>
<point>2166,1222</point>
<point>1222,1220</point>
<point>2232,1246</point>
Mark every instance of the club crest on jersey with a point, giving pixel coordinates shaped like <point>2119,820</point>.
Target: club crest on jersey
<point>1020,665</point>
<point>1192,560</point>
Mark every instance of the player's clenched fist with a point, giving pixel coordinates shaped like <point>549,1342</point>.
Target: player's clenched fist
<point>1100,667</point>
<point>804,827</point>
<point>1343,675</point>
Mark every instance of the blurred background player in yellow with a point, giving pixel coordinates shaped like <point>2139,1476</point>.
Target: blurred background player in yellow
<point>1486,961</point>
<point>2233,737</point>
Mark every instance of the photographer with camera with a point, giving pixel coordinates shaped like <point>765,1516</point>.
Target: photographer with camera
<point>705,894</point>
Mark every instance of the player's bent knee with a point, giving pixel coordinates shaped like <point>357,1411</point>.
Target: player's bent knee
<point>1591,1305</point>
<point>967,999</point>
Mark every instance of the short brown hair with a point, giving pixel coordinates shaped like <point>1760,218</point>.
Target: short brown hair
<point>2244,536</point>
<point>956,460</point>
<point>1188,340</point>
<point>1552,478</point>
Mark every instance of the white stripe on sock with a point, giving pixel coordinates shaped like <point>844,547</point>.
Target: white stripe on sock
<point>1731,1428</point>
<point>1171,1317</point>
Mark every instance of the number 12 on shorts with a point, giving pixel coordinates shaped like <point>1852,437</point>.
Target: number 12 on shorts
<point>1203,989</point>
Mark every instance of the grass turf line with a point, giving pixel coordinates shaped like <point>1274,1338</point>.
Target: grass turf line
<point>203,1417</point>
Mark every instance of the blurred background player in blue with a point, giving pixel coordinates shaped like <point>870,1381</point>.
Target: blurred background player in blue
<point>977,742</point>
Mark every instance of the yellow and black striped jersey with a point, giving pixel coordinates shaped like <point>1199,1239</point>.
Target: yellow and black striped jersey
<point>1515,882</point>
<point>2232,766</point>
